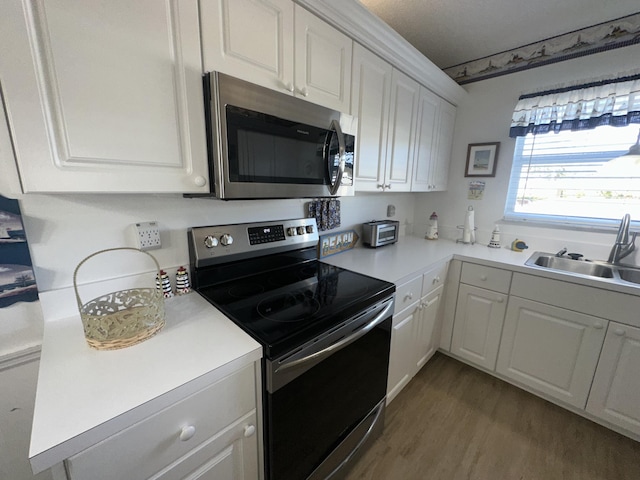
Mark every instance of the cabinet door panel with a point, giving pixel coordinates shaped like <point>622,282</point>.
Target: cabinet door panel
<point>322,62</point>
<point>371,90</point>
<point>426,141</point>
<point>403,114</point>
<point>439,171</point>
<point>551,349</point>
<point>401,354</point>
<point>427,327</point>
<point>110,98</point>
<point>478,324</point>
<point>615,394</point>
<point>262,53</point>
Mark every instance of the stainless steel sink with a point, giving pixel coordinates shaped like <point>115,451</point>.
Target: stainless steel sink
<point>598,269</point>
<point>629,274</point>
<point>582,267</point>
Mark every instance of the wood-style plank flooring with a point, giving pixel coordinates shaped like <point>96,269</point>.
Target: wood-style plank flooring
<point>454,422</point>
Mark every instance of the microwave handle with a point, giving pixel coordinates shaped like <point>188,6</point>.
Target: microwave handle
<point>335,126</point>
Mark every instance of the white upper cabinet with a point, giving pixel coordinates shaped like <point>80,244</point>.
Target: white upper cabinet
<point>434,138</point>
<point>249,39</point>
<point>279,45</point>
<point>105,96</point>
<point>370,97</point>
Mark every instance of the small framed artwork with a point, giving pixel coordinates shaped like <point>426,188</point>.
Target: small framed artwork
<point>482,159</point>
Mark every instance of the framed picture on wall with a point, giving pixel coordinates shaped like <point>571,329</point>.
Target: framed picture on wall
<point>482,159</point>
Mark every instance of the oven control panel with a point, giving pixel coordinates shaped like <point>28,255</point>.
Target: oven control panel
<point>223,243</point>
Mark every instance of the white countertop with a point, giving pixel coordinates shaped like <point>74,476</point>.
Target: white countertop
<point>86,395</point>
<point>411,256</point>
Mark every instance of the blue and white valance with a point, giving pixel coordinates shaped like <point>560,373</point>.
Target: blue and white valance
<point>611,102</point>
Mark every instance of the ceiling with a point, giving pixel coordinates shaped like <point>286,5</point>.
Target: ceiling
<point>452,32</point>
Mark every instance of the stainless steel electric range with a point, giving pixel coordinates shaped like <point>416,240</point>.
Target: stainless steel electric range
<point>325,332</point>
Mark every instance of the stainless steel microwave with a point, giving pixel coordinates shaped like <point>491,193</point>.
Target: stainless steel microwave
<point>266,144</point>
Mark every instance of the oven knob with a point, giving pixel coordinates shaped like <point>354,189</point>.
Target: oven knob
<point>291,231</point>
<point>210,241</point>
<point>309,228</point>
<point>301,231</point>
<point>226,239</point>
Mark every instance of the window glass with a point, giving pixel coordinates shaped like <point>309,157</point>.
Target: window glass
<point>572,177</point>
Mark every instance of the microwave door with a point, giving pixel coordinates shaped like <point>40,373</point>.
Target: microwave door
<point>335,162</point>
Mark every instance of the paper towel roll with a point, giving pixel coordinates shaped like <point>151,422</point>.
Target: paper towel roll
<point>468,233</point>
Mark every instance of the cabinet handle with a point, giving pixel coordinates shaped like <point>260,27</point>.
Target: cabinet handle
<point>619,331</point>
<point>483,278</point>
<point>187,432</point>
<point>249,430</point>
<point>598,326</point>
<point>200,181</point>
<point>500,300</point>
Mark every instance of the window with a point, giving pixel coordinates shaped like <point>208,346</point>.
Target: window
<point>566,177</point>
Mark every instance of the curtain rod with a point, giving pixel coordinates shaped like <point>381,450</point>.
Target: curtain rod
<point>578,87</point>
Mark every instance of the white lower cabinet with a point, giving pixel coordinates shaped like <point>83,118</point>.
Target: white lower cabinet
<point>552,350</point>
<point>478,323</point>
<point>212,434</point>
<point>615,393</point>
<point>416,327</point>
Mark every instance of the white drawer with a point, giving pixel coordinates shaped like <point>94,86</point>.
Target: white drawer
<point>486,277</point>
<point>408,293</point>
<point>150,445</point>
<point>434,277</point>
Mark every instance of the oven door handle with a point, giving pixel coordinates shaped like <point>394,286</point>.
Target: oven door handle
<point>325,352</point>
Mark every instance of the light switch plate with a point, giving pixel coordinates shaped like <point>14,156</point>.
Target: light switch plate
<point>146,235</point>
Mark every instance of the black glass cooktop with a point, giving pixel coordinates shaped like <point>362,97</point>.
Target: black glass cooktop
<point>285,307</point>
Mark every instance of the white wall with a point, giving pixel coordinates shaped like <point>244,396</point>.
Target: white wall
<point>485,116</point>
<point>63,229</point>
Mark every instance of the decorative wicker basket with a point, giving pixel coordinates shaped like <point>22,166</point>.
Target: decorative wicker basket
<point>123,318</point>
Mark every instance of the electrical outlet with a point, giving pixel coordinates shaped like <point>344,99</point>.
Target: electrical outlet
<point>147,235</point>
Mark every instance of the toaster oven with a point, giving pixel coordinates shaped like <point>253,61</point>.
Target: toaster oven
<point>380,232</point>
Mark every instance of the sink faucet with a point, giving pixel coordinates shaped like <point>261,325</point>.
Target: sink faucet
<point>623,247</point>
<point>561,252</point>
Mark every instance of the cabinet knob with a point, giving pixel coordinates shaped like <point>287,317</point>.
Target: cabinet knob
<point>598,325</point>
<point>436,280</point>
<point>304,92</point>
<point>380,186</point>
<point>200,181</point>
<point>388,185</point>
<point>408,296</point>
<point>187,432</point>
<point>289,87</point>
<point>619,331</point>
<point>500,300</point>
<point>249,430</point>
<point>483,278</point>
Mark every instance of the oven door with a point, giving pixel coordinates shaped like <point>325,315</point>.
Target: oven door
<point>325,401</point>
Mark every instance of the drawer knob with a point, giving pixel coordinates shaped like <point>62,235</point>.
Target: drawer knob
<point>408,296</point>
<point>187,432</point>
<point>619,331</point>
<point>598,325</point>
<point>249,430</point>
<point>483,278</point>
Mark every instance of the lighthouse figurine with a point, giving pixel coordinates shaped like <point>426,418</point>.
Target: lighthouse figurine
<point>167,291</point>
<point>182,281</point>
